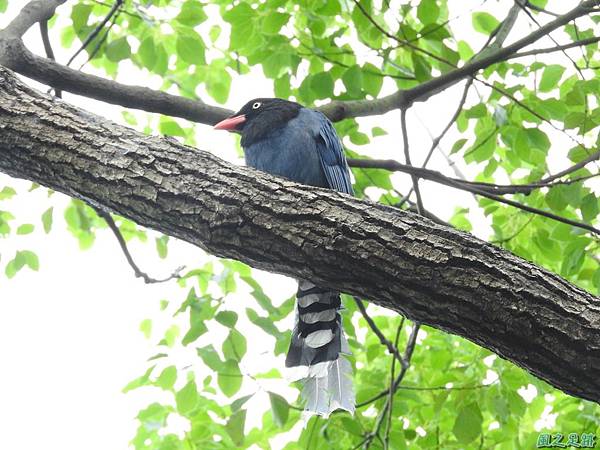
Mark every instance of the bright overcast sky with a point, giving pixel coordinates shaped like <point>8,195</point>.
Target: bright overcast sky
<point>69,334</point>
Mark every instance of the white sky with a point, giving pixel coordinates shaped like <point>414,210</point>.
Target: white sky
<point>69,334</point>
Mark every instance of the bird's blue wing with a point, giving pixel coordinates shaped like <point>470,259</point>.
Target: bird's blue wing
<point>332,157</point>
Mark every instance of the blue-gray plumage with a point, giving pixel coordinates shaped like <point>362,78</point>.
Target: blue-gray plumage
<point>284,138</point>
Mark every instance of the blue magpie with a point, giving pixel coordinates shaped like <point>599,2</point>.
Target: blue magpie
<point>283,138</point>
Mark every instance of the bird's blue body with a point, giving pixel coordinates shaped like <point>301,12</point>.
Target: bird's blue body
<point>285,139</point>
<point>306,149</point>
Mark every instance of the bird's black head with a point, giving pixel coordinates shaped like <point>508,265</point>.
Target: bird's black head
<point>259,117</point>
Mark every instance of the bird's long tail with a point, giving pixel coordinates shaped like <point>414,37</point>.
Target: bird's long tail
<point>316,353</point>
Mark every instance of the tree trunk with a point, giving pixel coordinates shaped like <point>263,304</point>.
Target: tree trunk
<point>429,272</point>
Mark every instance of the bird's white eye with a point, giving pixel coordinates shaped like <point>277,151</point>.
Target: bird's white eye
<point>256,105</point>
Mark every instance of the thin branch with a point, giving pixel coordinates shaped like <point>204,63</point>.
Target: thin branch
<point>541,51</point>
<point>102,40</point>
<point>391,348</point>
<point>138,273</point>
<point>435,142</point>
<point>482,189</point>
<point>404,363</point>
<point>14,55</point>
<point>48,48</point>
<point>580,165</point>
<point>540,9</point>
<point>96,30</point>
<point>415,180</point>
<point>402,42</point>
<point>338,110</point>
<point>388,427</point>
<point>492,188</point>
<point>32,13</point>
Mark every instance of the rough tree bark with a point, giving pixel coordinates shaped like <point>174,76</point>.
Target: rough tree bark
<point>429,272</point>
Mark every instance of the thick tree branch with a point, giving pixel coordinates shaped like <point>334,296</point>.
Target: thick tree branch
<point>428,272</point>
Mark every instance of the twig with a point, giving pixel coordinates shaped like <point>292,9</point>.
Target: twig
<point>542,51</point>
<point>102,40</point>
<point>138,273</point>
<point>540,9</point>
<point>405,364</point>
<point>96,30</point>
<point>48,48</point>
<point>491,188</point>
<point>415,180</point>
<point>61,77</point>
<point>388,427</point>
<point>391,348</point>
<point>593,157</point>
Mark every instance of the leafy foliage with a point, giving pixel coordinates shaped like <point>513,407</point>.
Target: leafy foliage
<point>455,394</point>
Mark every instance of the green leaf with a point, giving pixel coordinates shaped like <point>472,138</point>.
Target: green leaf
<point>556,198</point>
<point>47,220</point>
<point>551,76</point>
<point>237,404</point>
<point>218,83</point>
<point>162,246</point>
<point>371,82</point>
<point>3,5</point>
<point>210,357</point>
<point>26,228</point>
<point>484,22</point>
<point>234,346</point>
<point>590,206</point>
<point>274,21</point>
<point>7,192</point>
<point>322,85</point>
<point>227,318</point>
<point>27,258</point>
<point>171,336</point>
<point>169,127</point>
<point>146,328</point>
<point>214,33</point>
<point>167,378</point>
<point>197,326</point>
<point>80,15</point>
<point>118,50</point>
<point>229,378</point>
<point>187,398</point>
<point>573,258</point>
<point>378,131</point>
<point>428,11</point>
<point>235,427</point>
<point>460,220</point>
<point>140,381</point>
<point>190,47</point>
<point>147,53</point>
<point>353,79</point>
<point>279,408</point>
<point>467,425</point>
<point>191,14</point>
<point>458,145</point>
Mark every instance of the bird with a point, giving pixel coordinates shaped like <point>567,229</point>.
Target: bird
<point>286,139</point>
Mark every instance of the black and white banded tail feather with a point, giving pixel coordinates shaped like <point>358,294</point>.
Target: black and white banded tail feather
<point>316,353</point>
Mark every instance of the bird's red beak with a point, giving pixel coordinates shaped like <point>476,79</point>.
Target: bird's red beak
<point>231,123</point>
